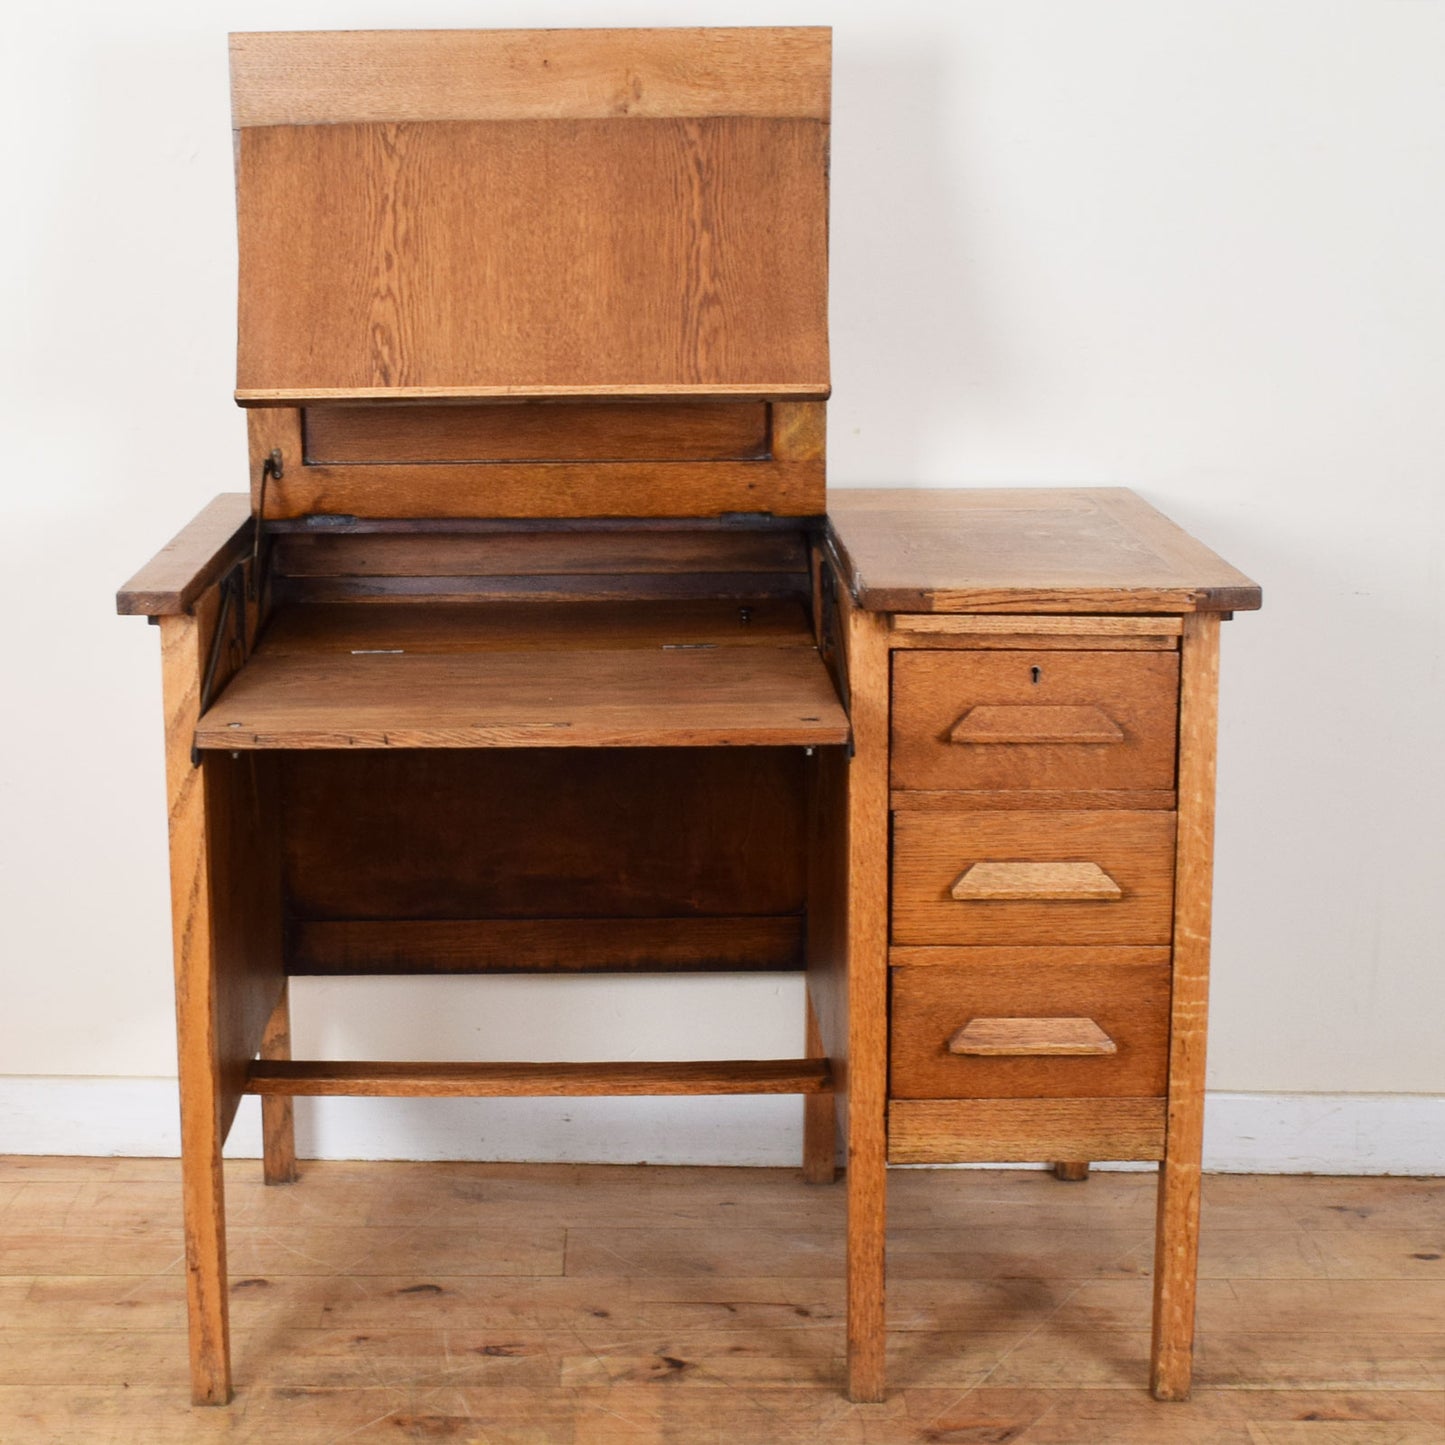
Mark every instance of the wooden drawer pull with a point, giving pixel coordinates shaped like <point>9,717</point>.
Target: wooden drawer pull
<point>986,1038</point>
<point>988,723</point>
<point>1036,882</point>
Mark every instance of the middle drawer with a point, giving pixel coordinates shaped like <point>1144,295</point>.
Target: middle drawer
<point>1033,878</point>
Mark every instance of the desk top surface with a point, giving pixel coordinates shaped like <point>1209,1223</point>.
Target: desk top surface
<point>522,674</point>
<point>1025,549</point>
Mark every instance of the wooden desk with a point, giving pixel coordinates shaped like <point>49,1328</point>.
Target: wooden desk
<point>537,646</point>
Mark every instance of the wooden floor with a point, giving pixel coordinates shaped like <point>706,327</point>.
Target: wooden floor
<point>558,1305</point>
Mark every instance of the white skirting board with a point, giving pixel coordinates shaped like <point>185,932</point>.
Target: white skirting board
<point>1244,1133</point>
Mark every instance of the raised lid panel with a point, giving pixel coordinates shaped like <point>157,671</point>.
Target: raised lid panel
<point>530,258</point>
<point>334,77</point>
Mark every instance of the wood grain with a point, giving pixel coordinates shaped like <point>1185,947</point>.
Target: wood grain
<point>932,850</point>
<point>1024,720</point>
<point>1177,1230</point>
<point>488,835</point>
<point>1104,632</point>
<point>335,77</point>
<point>557,431</point>
<point>190,562</point>
<point>524,1275</point>
<point>1128,1001</point>
<point>820,1114</point>
<point>551,489</point>
<point>278,1117</point>
<point>553,945</point>
<point>206,1105</point>
<point>865,642</point>
<point>1068,800</point>
<point>964,1131</point>
<point>523,624</point>
<point>1026,1037</point>
<point>1025,550</point>
<point>986,723</point>
<point>617,698</point>
<point>452,1081</point>
<point>1036,882</point>
<point>468,258</point>
<point>527,554</point>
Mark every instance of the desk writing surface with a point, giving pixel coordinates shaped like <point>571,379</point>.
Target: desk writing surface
<point>418,675</point>
<point>1025,549</point>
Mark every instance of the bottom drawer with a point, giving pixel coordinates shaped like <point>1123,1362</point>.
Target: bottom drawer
<point>1064,1029</point>
<point>1023,1131</point>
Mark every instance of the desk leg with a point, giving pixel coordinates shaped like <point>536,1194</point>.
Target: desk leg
<point>820,1116</point>
<point>204,1111</point>
<point>1176,1253</point>
<point>278,1117</point>
<point>867,950</point>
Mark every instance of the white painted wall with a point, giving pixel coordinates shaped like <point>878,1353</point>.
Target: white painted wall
<point>1190,247</point>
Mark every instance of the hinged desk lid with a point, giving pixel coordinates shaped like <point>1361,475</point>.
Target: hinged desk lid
<point>474,214</point>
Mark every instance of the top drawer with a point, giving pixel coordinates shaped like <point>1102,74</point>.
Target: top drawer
<point>1022,720</point>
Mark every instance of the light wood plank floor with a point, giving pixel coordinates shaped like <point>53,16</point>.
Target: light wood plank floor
<point>558,1305</point>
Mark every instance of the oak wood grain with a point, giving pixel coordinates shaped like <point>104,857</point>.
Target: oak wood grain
<point>1023,1037</point>
<point>559,431</point>
<point>1023,720</point>
<point>278,1117</point>
<point>743,696</point>
<point>1025,550</point>
<point>206,1103</point>
<point>551,489</point>
<point>496,1080</point>
<point>485,836</point>
<point>525,554</point>
<point>337,77</point>
<point>932,850</point>
<point>463,258</point>
<point>422,627</point>
<point>1128,1001</point>
<point>554,945</point>
<point>190,562</point>
<point>963,1131</point>
<point>1037,882</point>
<point>1177,1229</point>
<point>865,646</point>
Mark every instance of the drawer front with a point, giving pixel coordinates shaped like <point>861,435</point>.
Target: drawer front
<point>1009,1031</point>
<point>1033,878</point>
<point>1024,720</point>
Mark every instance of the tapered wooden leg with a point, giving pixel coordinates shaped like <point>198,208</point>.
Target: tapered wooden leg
<point>820,1117</point>
<point>1071,1171</point>
<point>1176,1252</point>
<point>278,1118</point>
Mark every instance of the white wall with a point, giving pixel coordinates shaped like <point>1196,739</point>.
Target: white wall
<point>1190,247</point>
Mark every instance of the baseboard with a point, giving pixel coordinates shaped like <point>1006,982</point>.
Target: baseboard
<point>1244,1133</point>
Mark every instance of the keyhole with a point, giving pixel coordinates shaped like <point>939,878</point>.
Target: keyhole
<point>1035,674</point>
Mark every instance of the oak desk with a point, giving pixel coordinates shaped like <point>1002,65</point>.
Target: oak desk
<point>538,646</point>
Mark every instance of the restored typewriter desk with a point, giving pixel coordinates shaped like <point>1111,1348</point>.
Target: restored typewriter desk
<point>951,751</point>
